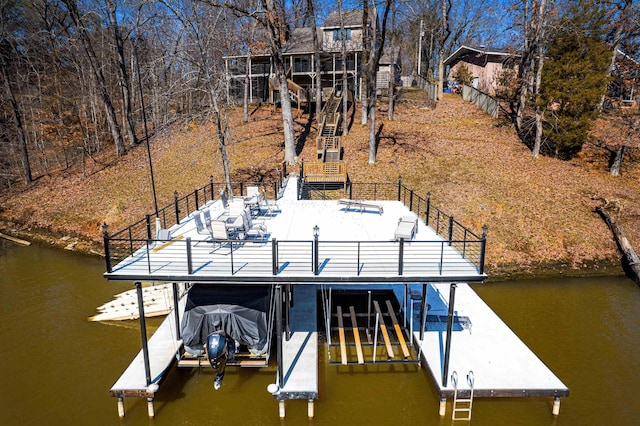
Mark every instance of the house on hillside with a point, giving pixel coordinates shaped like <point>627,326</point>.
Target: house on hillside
<point>298,54</point>
<point>624,88</point>
<point>485,64</point>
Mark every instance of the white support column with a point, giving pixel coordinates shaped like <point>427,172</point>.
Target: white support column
<point>556,406</point>
<point>310,409</point>
<point>150,408</point>
<point>121,407</point>
<point>281,411</point>
<point>443,407</point>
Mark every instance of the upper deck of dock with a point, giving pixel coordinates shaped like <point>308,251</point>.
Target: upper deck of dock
<point>307,241</point>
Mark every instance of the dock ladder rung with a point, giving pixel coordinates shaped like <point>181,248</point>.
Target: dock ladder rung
<point>462,406</point>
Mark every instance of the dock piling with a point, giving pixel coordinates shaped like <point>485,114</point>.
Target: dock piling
<point>121,407</point>
<point>442,410</point>
<point>150,408</point>
<point>310,409</point>
<point>281,410</point>
<point>556,406</point>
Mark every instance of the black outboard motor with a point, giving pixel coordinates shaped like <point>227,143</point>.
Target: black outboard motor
<point>220,349</point>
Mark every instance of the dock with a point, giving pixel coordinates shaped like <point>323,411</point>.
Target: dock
<point>388,239</point>
<point>481,343</point>
<point>299,368</point>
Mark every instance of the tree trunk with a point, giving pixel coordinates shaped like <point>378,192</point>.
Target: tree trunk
<point>123,75</point>
<point>247,82</point>
<point>316,56</point>
<point>345,90</point>
<point>632,262</point>
<point>540,35</point>
<point>446,32</point>
<point>392,67</point>
<point>110,112</point>
<point>20,133</point>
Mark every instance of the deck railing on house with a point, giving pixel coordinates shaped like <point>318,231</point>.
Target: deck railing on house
<point>353,254</point>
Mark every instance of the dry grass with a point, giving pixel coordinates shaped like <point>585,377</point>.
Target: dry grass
<point>539,211</point>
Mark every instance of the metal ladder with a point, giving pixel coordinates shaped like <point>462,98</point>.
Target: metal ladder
<point>462,406</point>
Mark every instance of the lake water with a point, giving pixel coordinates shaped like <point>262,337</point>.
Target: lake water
<point>57,368</point>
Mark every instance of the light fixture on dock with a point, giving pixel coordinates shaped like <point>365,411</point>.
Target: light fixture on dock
<point>273,388</point>
<point>316,232</point>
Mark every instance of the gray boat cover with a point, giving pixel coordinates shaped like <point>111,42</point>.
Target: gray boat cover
<point>241,312</point>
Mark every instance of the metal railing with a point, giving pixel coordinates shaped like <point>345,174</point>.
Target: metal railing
<point>352,256</point>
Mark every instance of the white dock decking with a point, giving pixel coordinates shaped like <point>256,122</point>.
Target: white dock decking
<point>300,351</point>
<point>481,342</point>
<point>163,347</point>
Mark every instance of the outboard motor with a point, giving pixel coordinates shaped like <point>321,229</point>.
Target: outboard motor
<point>217,353</point>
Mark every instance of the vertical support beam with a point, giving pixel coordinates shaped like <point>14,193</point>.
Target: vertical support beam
<point>310,409</point>
<point>279,351</point>
<point>213,195</point>
<point>176,314</point>
<point>281,410</point>
<point>450,238</point>
<point>423,311</point>
<point>399,188</point>
<point>411,200</point>
<point>401,257</point>
<point>121,407</point>
<point>447,349</point>
<point>556,406</point>
<point>150,409</point>
<point>107,247</point>
<point>442,409</point>
<point>143,334</point>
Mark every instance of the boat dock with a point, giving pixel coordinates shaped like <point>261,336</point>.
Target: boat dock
<point>381,237</point>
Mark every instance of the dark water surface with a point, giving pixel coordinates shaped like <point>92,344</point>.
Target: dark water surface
<point>56,368</point>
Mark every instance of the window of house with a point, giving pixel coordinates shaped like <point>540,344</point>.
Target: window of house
<point>337,34</point>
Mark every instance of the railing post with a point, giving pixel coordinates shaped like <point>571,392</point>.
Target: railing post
<point>399,187</point>
<point>241,188</point>
<point>279,331</point>
<point>401,257</point>
<point>315,255</point>
<point>483,244</point>
<point>175,203</point>
<point>351,190</point>
<point>196,197</point>
<point>189,259</point>
<point>411,200</point>
<point>213,194</point>
<point>274,256</point>
<point>107,247</point>
<point>450,229</point>
<point>176,314</point>
<point>427,208</point>
<point>148,218</point>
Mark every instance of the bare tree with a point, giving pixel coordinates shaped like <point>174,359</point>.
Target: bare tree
<point>316,55</point>
<point>345,81</point>
<point>101,82</point>
<point>445,32</point>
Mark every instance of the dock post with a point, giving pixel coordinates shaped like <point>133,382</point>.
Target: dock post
<point>143,333</point>
<point>447,348</point>
<point>279,338</point>
<point>175,311</point>
<point>281,411</point>
<point>442,410</point>
<point>121,407</point>
<point>150,408</point>
<point>310,409</point>
<point>556,406</point>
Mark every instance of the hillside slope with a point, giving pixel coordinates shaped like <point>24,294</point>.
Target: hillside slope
<point>539,212</point>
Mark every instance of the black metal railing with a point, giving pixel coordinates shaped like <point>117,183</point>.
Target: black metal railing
<point>471,246</point>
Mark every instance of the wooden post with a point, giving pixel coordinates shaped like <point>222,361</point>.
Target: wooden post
<point>447,349</point>
<point>150,408</point>
<point>175,310</point>
<point>556,406</point>
<point>442,410</point>
<point>107,248</point>
<point>281,410</point>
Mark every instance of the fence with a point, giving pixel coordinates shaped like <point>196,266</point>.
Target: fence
<point>428,87</point>
<point>484,101</point>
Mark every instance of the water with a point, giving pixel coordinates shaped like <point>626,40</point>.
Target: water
<point>57,368</point>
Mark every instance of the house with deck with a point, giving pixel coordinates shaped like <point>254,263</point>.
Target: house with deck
<point>298,53</point>
<point>485,64</point>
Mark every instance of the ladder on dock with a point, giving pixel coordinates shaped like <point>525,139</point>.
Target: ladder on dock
<point>462,406</point>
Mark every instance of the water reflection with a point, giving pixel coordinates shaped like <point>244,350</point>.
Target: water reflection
<point>57,368</point>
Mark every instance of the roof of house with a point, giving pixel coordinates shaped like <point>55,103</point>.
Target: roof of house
<point>351,18</point>
<point>301,41</point>
<point>463,50</point>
